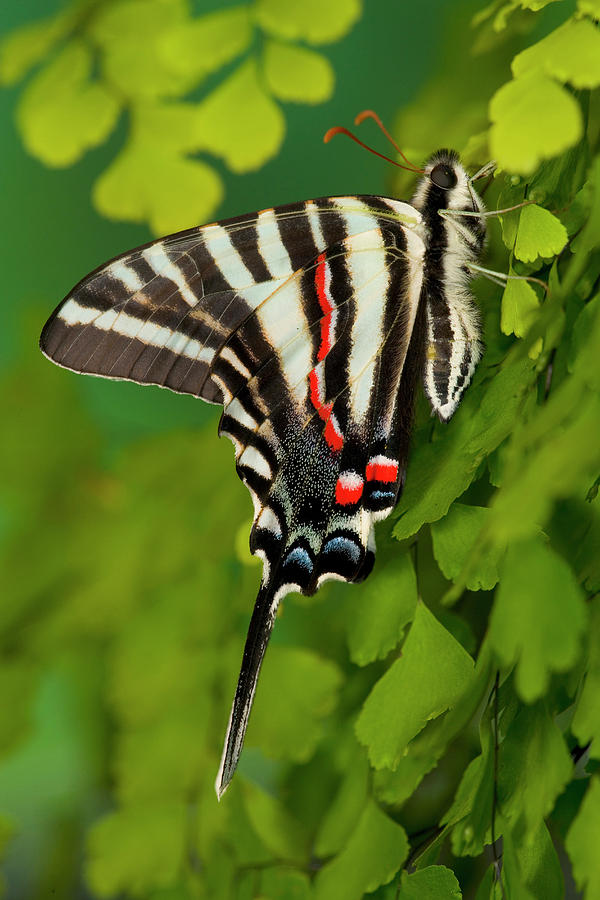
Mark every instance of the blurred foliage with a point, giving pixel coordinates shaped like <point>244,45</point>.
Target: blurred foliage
<point>413,736</point>
<point>139,58</point>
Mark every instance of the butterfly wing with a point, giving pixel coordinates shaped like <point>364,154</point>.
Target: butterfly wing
<point>299,321</point>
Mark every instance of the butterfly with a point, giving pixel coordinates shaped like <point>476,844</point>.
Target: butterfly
<point>311,324</point>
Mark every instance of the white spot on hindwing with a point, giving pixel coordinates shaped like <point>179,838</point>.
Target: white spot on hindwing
<point>253,459</point>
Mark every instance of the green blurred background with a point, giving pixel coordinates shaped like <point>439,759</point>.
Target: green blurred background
<point>127,584</point>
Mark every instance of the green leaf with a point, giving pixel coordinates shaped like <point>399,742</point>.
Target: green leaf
<point>536,5</point>
<point>539,234</point>
<point>520,305</point>
<point>62,112</point>
<point>308,20</point>
<point>372,856</point>
<point>550,457</point>
<point>502,12</point>
<point>533,118</point>
<point>559,180</point>
<point>441,471</point>
<point>297,690</point>
<point>283,834</point>
<point>588,559</point>
<point>539,616</point>
<point>343,813</point>
<point>570,53</point>
<point>30,44</point>
<point>139,694</point>
<point>7,832</point>
<point>397,786</point>
<point>424,751</point>
<point>471,810</point>
<point>379,613</point>
<point>196,47</point>
<point>586,721</point>
<point>131,35</point>
<point>583,841</point>
<point>586,324</point>
<point>162,760</point>
<point>248,848</point>
<point>589,237</point>
<point>531,867</point>
<point>135,850</point>
<point>486,891</point>
<point>283,883</point>
<point>18,681</point>
<point>589,8</point>
<point>150,183</point>
<point>453,538</point>
<point>296,74</point>
<point>432,882</point>
<point>240,122</point>
<point>430,676</point>
<point>527,791</point>
<point>539,865</point>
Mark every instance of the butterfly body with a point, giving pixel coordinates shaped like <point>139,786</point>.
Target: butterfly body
<point>310,324</point>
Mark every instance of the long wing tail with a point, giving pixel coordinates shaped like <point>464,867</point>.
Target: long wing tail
<point>259,632</point>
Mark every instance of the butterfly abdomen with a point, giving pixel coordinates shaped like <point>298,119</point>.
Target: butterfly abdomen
<point>453,331</point>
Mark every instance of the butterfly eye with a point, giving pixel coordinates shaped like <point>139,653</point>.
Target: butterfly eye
<point>443,176</point>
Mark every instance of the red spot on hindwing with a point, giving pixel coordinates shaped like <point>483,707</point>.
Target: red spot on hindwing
<point>380,468</point>
<point>349,488</point>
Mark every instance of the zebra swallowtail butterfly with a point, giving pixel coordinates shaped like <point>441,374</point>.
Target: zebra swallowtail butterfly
<point>310,324</point>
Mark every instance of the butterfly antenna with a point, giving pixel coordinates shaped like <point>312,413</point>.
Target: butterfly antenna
<point>370,114</point>
<point>339,129</point>
<point>259,632</point>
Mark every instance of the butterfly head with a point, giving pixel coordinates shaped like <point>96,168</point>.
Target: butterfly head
<point>446,186</point>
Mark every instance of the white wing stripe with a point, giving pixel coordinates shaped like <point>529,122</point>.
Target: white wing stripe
<point>269,521</point>
<point>315,226</point>
<point>129,326</point>
<point>74,314</point>
<point>270,245</point>
<point>253,459</point>
<point>158,260</point>
<point>231,357</point>
<point>227,259</point>
<point>127,276</point>
<point>283,322</point>
<point>239,413</point>
<point>370,281</point>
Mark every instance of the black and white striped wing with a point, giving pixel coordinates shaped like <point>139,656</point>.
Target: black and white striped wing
<point>305,323</point>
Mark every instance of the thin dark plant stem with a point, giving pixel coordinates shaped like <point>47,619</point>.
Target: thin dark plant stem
<point>496,855</point>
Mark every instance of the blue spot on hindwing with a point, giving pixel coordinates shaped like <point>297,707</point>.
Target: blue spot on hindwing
<point>300,557</point>
<point>345,546</point>
<point>382,495</point>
